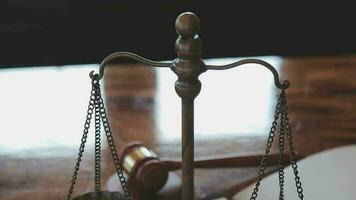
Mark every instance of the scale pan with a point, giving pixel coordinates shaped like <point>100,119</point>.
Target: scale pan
<point>101,196</point>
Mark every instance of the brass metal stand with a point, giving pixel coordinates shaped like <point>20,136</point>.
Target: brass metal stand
<point>188,66</point>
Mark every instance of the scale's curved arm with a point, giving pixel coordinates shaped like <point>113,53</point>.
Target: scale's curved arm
<point>281,85</point>
<point>133,56</point>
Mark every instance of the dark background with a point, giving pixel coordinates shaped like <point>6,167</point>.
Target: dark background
<point>56,32</point>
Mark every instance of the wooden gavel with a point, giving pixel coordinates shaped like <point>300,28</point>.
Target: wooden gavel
<point>148,173</point>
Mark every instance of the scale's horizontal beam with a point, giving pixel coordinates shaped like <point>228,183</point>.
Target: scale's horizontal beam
<point>130,55</point>
<point>284,84</point>
<point>281,85</point>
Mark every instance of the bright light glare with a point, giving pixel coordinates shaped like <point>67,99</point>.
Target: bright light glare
<point>236,102</point>
<point>43,107</point>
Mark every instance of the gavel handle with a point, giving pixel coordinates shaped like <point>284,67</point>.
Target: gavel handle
<point>229,161</point>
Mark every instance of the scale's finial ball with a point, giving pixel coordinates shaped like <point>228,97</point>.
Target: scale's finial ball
<point>187,25</point>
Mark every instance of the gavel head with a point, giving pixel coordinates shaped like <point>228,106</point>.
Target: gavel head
<point>145,171</point>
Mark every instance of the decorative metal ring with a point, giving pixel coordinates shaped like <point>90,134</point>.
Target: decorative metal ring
<point>94,76</point>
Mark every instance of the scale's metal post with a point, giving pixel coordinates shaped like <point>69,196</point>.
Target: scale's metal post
<point>188,66</point>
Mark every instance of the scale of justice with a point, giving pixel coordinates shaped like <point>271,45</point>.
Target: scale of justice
<point>139,169</point>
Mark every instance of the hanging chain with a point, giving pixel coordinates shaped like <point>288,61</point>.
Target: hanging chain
<point>96,105</point>
<point>83,141</point>
<point>284,129</point>
<point>293,159</point>
<point>281,147</point>
<point>97,138</point>
<point>112,146</point>
<point>263,163</point>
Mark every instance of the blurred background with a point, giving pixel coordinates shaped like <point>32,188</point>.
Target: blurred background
<point>48,48</point>
<point>76,31</point>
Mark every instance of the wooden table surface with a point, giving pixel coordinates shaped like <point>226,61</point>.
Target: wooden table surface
<point>43,111</point>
